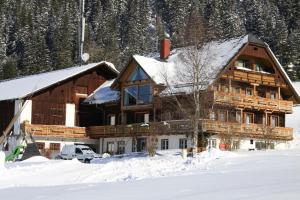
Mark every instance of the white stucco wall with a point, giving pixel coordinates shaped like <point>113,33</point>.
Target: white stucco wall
<point>70,115</point>
<point>103,144</point>
<point>24,116</point>
<point>173,141</point>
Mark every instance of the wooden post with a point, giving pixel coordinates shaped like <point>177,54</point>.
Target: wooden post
<point>230,90</point>
<point>279,93</point>
<point>266,118</point>
<point>242,116</point>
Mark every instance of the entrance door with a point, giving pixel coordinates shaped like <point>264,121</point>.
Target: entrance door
<point>141,144</point>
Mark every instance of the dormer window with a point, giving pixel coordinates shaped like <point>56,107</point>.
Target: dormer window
<point>138,75</point>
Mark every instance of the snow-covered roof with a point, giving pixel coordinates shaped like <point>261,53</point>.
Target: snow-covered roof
<point>175,71</point>
<point>297,86</point>
<point>215,54</point>
<point>285,76</point>
<point>103,94</point>
<point>22,87</point>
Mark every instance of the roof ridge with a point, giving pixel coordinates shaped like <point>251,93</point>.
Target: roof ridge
<point>48,72</point>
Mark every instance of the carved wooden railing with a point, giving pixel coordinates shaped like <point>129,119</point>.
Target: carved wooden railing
<point>253,102</point>
<point>57,131</point>
<point>184,127</point>
<point>247,130</point>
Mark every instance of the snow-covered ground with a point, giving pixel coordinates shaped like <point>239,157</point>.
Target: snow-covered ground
<point>211,175</point>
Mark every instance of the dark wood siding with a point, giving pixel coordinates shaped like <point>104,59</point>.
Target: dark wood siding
<point>49,106</point>
<point>7,109</point>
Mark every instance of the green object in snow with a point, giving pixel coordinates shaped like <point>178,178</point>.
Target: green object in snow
<point>14,155</point>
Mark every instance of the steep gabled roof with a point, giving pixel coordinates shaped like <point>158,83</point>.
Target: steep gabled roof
<point>217,54</point>
<point>25,86</point>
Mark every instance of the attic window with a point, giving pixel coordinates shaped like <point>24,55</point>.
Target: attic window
<point>138,75</point>
<point>242,64</point>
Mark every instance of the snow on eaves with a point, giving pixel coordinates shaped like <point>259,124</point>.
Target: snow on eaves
<point>22,87</point>
<point>103,94</point>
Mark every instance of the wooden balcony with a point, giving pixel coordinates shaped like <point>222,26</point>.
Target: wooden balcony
<point>153,128</point>
<point>55,131</point>
<point>247,130</point>
<point>253,102</point>
<point>184,127</point>
<point>254,77</point>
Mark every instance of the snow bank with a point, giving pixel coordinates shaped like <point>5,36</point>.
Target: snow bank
<point>110,169</point>
<point>36,159</point>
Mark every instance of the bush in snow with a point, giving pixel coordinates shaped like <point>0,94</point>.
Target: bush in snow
<point>106,155</point>
<point>152,145</point>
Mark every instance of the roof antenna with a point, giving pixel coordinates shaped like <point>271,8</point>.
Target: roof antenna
<point>83,57</point>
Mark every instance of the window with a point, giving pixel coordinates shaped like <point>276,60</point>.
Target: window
<point>272,94</point>
<point>225,88</point>
<point>249,92</point>
<point>121,147</point>
<point>40,145</point>
<point>55,146</point>
<point>237,90</point>
<point>249,118</point>
<point>212,143</point>
<point>130,95</point>
<point>238,116</point>
<point>221,116</point>
<point>235,144</point>
<point>258,67</point>
<point>146,118</point>
<point>142,117</point>
<point>251,141</point>
<point>138,74</point>
<point>164,144</point>
<point>242,64</point>
<point>78,151</point>
<point>212,115</point>
<point>137,94</point>
<point>274,121</point>
<point>110,147</point>
<point>182,143</point>
<point>261,93</point>
<point>112,120</point>
<point>144,95</point>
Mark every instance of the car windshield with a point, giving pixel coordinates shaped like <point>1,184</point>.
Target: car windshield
<point>87,151</point>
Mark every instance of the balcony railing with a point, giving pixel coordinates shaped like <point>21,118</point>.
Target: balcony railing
<point>55,131</point>
<point>247,130</point>
<point>184,127</point>
<point>253,102</point>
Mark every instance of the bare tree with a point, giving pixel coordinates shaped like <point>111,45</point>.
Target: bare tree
<point>193,74</point>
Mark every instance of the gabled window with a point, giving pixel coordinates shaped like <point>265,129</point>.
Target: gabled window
<point>137,95</point>
<point>138,75</point>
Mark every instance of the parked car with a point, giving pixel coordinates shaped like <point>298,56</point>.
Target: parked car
<point>82,152</point>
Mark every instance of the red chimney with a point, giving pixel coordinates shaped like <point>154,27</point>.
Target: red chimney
<point>165,47</point>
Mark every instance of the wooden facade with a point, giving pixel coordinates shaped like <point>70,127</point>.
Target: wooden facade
<point>249,101</point>
<point>48,107</point>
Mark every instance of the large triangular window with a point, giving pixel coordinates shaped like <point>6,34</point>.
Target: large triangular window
<point>138,75</point>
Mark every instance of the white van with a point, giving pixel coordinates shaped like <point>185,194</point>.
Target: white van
<point>81,152</point>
